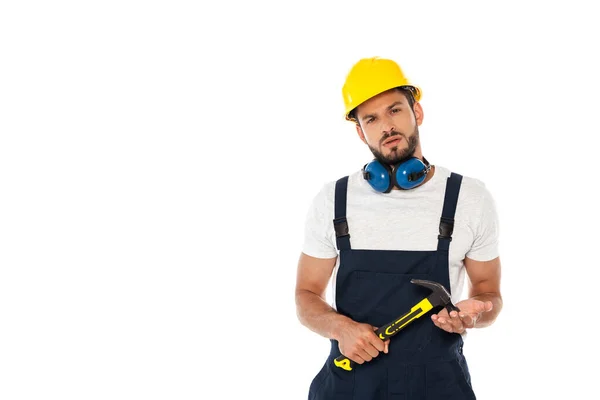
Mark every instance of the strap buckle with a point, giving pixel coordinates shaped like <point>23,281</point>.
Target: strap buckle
<point>341,227</point>
<point>446,228</point>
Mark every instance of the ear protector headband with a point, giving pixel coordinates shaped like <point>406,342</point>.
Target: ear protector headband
<point>405,175</point>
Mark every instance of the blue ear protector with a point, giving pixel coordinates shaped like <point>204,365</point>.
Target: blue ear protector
<point>405,175</point>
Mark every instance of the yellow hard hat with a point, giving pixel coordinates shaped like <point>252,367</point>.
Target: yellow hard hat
<point>371,76</point>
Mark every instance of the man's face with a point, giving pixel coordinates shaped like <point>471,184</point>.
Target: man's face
<point>389,126</point>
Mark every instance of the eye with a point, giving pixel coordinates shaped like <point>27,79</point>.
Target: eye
<point>370,120</point>
<point>395,110</point>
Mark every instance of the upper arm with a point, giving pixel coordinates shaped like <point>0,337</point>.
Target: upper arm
<point>314,274</point>
<point>486,228</point>
<point>484,276</point>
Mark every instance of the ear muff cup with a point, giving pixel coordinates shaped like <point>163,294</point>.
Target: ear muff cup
<point>405,175</point>
<point>410,174</point>
<point>379,176</point>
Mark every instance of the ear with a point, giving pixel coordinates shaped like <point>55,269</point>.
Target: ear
<point>418,111</point>
<point>361,134</point>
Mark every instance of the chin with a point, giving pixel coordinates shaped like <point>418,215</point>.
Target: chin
<point>396,152</point>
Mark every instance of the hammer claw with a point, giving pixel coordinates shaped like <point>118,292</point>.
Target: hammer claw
<point>440,295</point>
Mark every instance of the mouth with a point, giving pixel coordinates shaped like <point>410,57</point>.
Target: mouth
<point>391,142</point>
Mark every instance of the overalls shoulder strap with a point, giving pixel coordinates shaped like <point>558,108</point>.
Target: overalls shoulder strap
<point>448,211</point>
<point>340,223</point>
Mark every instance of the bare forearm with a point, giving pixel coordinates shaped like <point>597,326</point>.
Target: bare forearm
<point>488,318</point>
<point>318,316</point>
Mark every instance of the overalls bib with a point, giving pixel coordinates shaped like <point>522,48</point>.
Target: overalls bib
<point>424,362</point>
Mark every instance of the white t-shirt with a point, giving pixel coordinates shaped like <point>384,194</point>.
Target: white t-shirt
<point>407,220</point>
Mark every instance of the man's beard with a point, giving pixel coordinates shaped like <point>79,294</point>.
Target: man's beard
<point>396,155</point>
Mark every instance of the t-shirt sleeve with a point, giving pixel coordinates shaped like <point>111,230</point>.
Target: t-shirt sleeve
<point>487,233</point>
<point>318,229</point>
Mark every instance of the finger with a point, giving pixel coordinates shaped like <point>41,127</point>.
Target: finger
<point>449,323</point>
<point>488,306</point>
<point>447,326</point>
<point>376,341</point>
<point>484,306</point>
<point>372,350</point>
<point>441,315</point>
<point>386,348</point>
<point>437,323</point>
<point>443,324</point>
<point>468,320</point>
<point>357,359</point>
<point>456,322</point>
<point>364,355</point>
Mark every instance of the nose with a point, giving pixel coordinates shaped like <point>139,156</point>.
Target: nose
<point>387,126</point>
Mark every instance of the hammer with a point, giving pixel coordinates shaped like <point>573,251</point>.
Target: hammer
<point>439,297</point>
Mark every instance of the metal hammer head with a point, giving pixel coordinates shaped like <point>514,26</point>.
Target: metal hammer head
<point>440,295</point>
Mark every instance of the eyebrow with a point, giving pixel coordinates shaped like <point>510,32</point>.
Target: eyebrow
<point>394,104</point>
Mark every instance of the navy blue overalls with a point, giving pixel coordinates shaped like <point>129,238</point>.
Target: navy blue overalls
<point>373,286</point>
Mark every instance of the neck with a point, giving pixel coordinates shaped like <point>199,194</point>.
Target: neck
<point>429,175</point>
<point>431,169</point>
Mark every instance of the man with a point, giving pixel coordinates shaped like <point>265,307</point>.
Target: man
<point>398,218</point>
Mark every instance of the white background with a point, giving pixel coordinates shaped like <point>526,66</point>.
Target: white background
<point>157,160</point>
